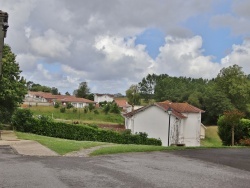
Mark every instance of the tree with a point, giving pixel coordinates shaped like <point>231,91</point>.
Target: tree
<point>232,118</point>
<point>54,91</point>
<point>67,93</point>
<point>12,86</point>
<point>235,85</point>
<point>133,95</point>
<point>147,86</point>
<point>83,91</point>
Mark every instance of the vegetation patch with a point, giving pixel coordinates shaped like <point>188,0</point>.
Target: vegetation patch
<point>212,138</point>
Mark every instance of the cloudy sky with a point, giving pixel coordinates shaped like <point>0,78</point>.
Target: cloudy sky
<point>112,44</point>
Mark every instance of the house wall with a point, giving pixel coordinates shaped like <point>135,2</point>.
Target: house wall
<point>154,121</point>
<point>79,105</point>
<point>103,98</point>
<point>191,129</point>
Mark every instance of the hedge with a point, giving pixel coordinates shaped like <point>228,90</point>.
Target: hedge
<point>23,121</point>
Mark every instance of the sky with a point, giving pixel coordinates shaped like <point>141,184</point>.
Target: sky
<point>113,44</point>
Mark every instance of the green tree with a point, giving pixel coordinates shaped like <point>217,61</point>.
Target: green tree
<point>83,90</point>
<point>147,86</point>
<point>54,91</point>
<point>133,95</point>
<point>235,85</point>
<point>67,93</point>
<point>12,86</point>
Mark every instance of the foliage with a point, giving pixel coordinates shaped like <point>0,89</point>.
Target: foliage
<point>74,110</point>
<point>147,86</point>
<point>67,93</point>
<point>79,132</point>
<point>114,108</point>
<point>235,85</point>
<point>57,104</point>
<point>54,91</point>
<point>96,112</point>
<point>37,87</point>
<point>133,95</point>
<point>62,109</point>
<point>69,105</point>
<point>91,107</point>
<point>22,120</point>
<point>245,142</point>
<point>12,86</point>
<point>240,131</point>
<point>83,90</point>
<point>85,109</point>
<point>106,108</point>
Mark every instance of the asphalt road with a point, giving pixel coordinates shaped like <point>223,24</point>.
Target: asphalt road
<point>156,169</point>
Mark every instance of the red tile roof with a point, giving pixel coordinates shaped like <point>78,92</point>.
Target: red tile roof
<point>177,109</point>
<point>121,102</point>
<point>62,98</point>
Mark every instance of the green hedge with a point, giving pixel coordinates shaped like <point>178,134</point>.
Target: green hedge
<point>23,121</point>
<point>241,131</point>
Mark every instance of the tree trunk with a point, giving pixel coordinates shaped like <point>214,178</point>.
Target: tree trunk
<point>233,135</point>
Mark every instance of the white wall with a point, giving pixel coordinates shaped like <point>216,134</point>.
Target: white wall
<point>191,129</point>
<point>103,98</point>
<point>154,121</point>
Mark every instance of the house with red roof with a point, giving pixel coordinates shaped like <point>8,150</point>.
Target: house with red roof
<point>47,99</point>
<point>123,104</point>
<point>103,97</point>
<point>173,123</point>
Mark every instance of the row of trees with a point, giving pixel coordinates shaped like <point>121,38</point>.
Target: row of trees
<point>229,90</point>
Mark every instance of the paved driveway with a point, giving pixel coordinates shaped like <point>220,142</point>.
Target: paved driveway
<point>236,157</point>
<point>155,169</point>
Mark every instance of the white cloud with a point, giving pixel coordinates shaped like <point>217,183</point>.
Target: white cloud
<point>51,44</point>
<point>183,57</point>
<point>240,55</point>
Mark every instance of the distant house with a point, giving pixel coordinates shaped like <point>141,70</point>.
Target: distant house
<point>103,97</point>
<point>123,104</point>
<point>47,99</point>
<point>183,126</point>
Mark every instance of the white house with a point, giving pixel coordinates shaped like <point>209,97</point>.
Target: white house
<point>43,98</point>
<point>181,126</point>
<point>103,97</point>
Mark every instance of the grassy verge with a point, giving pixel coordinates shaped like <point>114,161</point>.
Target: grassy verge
<point>60,146</point>
<point>212,138</point>
<point>79,115</point>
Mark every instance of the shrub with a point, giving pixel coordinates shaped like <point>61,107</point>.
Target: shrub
<point>57,104</point>
<point>91,107</point>
<point>23,121</point>
<point>96,112</point>
<point>240,131</point>
<point>74,110</point>
<point>69,105</point>
<point>106,108</point>
<point>245,142</point>
<point>85,109</point>
<point>115,108</point>
<point>63,110</point>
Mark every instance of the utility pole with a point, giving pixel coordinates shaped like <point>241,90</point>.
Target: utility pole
<point>3,32</point>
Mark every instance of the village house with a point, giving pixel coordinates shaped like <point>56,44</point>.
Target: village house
<point>173,123</point>
<point>103,97</point>
<point>47,99</point>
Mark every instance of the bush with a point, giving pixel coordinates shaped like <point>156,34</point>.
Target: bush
<point>56,105</point>
<point>24,122</point>
<point>245,142</point>
<point>91,107</point>
<point>115,108</point>
<point>69,105</point>
<point>85,109</point>
<point>240,131</point>
<point>96,112</point>
<point>74,110</point>
<point>63,110</point>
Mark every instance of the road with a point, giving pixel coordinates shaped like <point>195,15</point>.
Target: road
<point>155,169</point>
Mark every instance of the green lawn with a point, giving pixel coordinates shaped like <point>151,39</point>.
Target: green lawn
<point>60,146</point>
<point>80,116</point>
<point>212,138</point>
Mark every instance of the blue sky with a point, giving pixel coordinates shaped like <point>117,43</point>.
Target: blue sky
<point>114,44</point>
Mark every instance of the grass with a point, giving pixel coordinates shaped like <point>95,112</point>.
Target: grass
<point>80,116</point>
<point>212,138</point>
<point>60,146</point>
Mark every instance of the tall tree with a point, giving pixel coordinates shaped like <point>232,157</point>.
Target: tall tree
<point>83,90</point>
<point>12,86</point>
<point>234,83</point>
<point>133,95</point>
<point>147,86</point>
<point>54,91</point>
